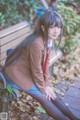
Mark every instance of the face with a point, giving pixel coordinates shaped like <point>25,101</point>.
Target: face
<point>54,32</point>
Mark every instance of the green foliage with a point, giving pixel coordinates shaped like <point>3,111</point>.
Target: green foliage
<point>9,11</point>
<point>14,11</point>
<point>41,110</point>
<point>2,20</point>
<point>70,45</point>
<point>70,1</point>
<point>9,88</point>
<point>74,42</point>
<point>26,9</point>
<point>71,22</point>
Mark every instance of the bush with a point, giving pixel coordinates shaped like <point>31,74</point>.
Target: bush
<point>71,22</point>
<point>2,20</point>
<point>15,11</point>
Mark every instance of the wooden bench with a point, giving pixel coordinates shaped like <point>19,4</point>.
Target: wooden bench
<point>12,36</point>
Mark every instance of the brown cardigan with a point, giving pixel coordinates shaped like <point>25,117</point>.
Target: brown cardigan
<point>27,69</point>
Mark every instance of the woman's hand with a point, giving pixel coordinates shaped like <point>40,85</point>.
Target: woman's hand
<point>50,93</point>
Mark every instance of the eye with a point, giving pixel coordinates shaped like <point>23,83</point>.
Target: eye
<point>52,26</point>
<point>59,26</point>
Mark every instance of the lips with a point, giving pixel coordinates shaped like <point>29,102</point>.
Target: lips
<point>55,34</point>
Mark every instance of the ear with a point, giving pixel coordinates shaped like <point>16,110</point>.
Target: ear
<point>42,28</point>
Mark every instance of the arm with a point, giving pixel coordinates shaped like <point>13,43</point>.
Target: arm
<point>37,72</point>
<point>49,91</point>
<point>36,67</point>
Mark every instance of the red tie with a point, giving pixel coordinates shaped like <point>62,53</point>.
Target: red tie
<point>45,61</point>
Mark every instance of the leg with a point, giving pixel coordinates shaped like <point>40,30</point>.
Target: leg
<point>64,109</point>
<point>50,108</point>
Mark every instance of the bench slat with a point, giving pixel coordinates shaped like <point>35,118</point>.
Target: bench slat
<point>13,28</point>
<point>12,43</point>
<point>14,36</point>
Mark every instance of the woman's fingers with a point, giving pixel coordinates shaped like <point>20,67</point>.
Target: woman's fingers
<point>49,97</point>
<point>50,94</point>
<point>53,95</point>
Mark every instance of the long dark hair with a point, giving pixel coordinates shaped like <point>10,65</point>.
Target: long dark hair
<point>48,19</point>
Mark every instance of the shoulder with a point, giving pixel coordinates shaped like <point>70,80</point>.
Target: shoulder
<point>38,43</point>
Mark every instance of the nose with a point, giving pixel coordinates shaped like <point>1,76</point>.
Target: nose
<point>56,28</point>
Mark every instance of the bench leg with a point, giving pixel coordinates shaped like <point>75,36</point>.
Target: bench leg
<point>4,109</point>
<point>5,104</point>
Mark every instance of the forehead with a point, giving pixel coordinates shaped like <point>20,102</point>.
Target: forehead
<point>54,20</point>
<point>54,25</point>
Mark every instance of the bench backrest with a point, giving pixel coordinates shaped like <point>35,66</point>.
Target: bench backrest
<point>12,36</point>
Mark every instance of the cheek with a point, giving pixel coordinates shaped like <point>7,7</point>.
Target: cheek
<point>59,31</point>
<point>50,31</point>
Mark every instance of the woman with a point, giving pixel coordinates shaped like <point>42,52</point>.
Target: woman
<point>28,66</point>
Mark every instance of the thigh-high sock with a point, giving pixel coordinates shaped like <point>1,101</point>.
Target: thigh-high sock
<point>59,104</point>
<point>49,107</point>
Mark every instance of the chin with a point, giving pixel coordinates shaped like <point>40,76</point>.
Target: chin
<point>54,38</point>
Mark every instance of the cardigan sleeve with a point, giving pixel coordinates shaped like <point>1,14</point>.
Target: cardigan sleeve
<point>36,66</point>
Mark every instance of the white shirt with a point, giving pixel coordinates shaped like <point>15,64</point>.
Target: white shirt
<point>50,43</point>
